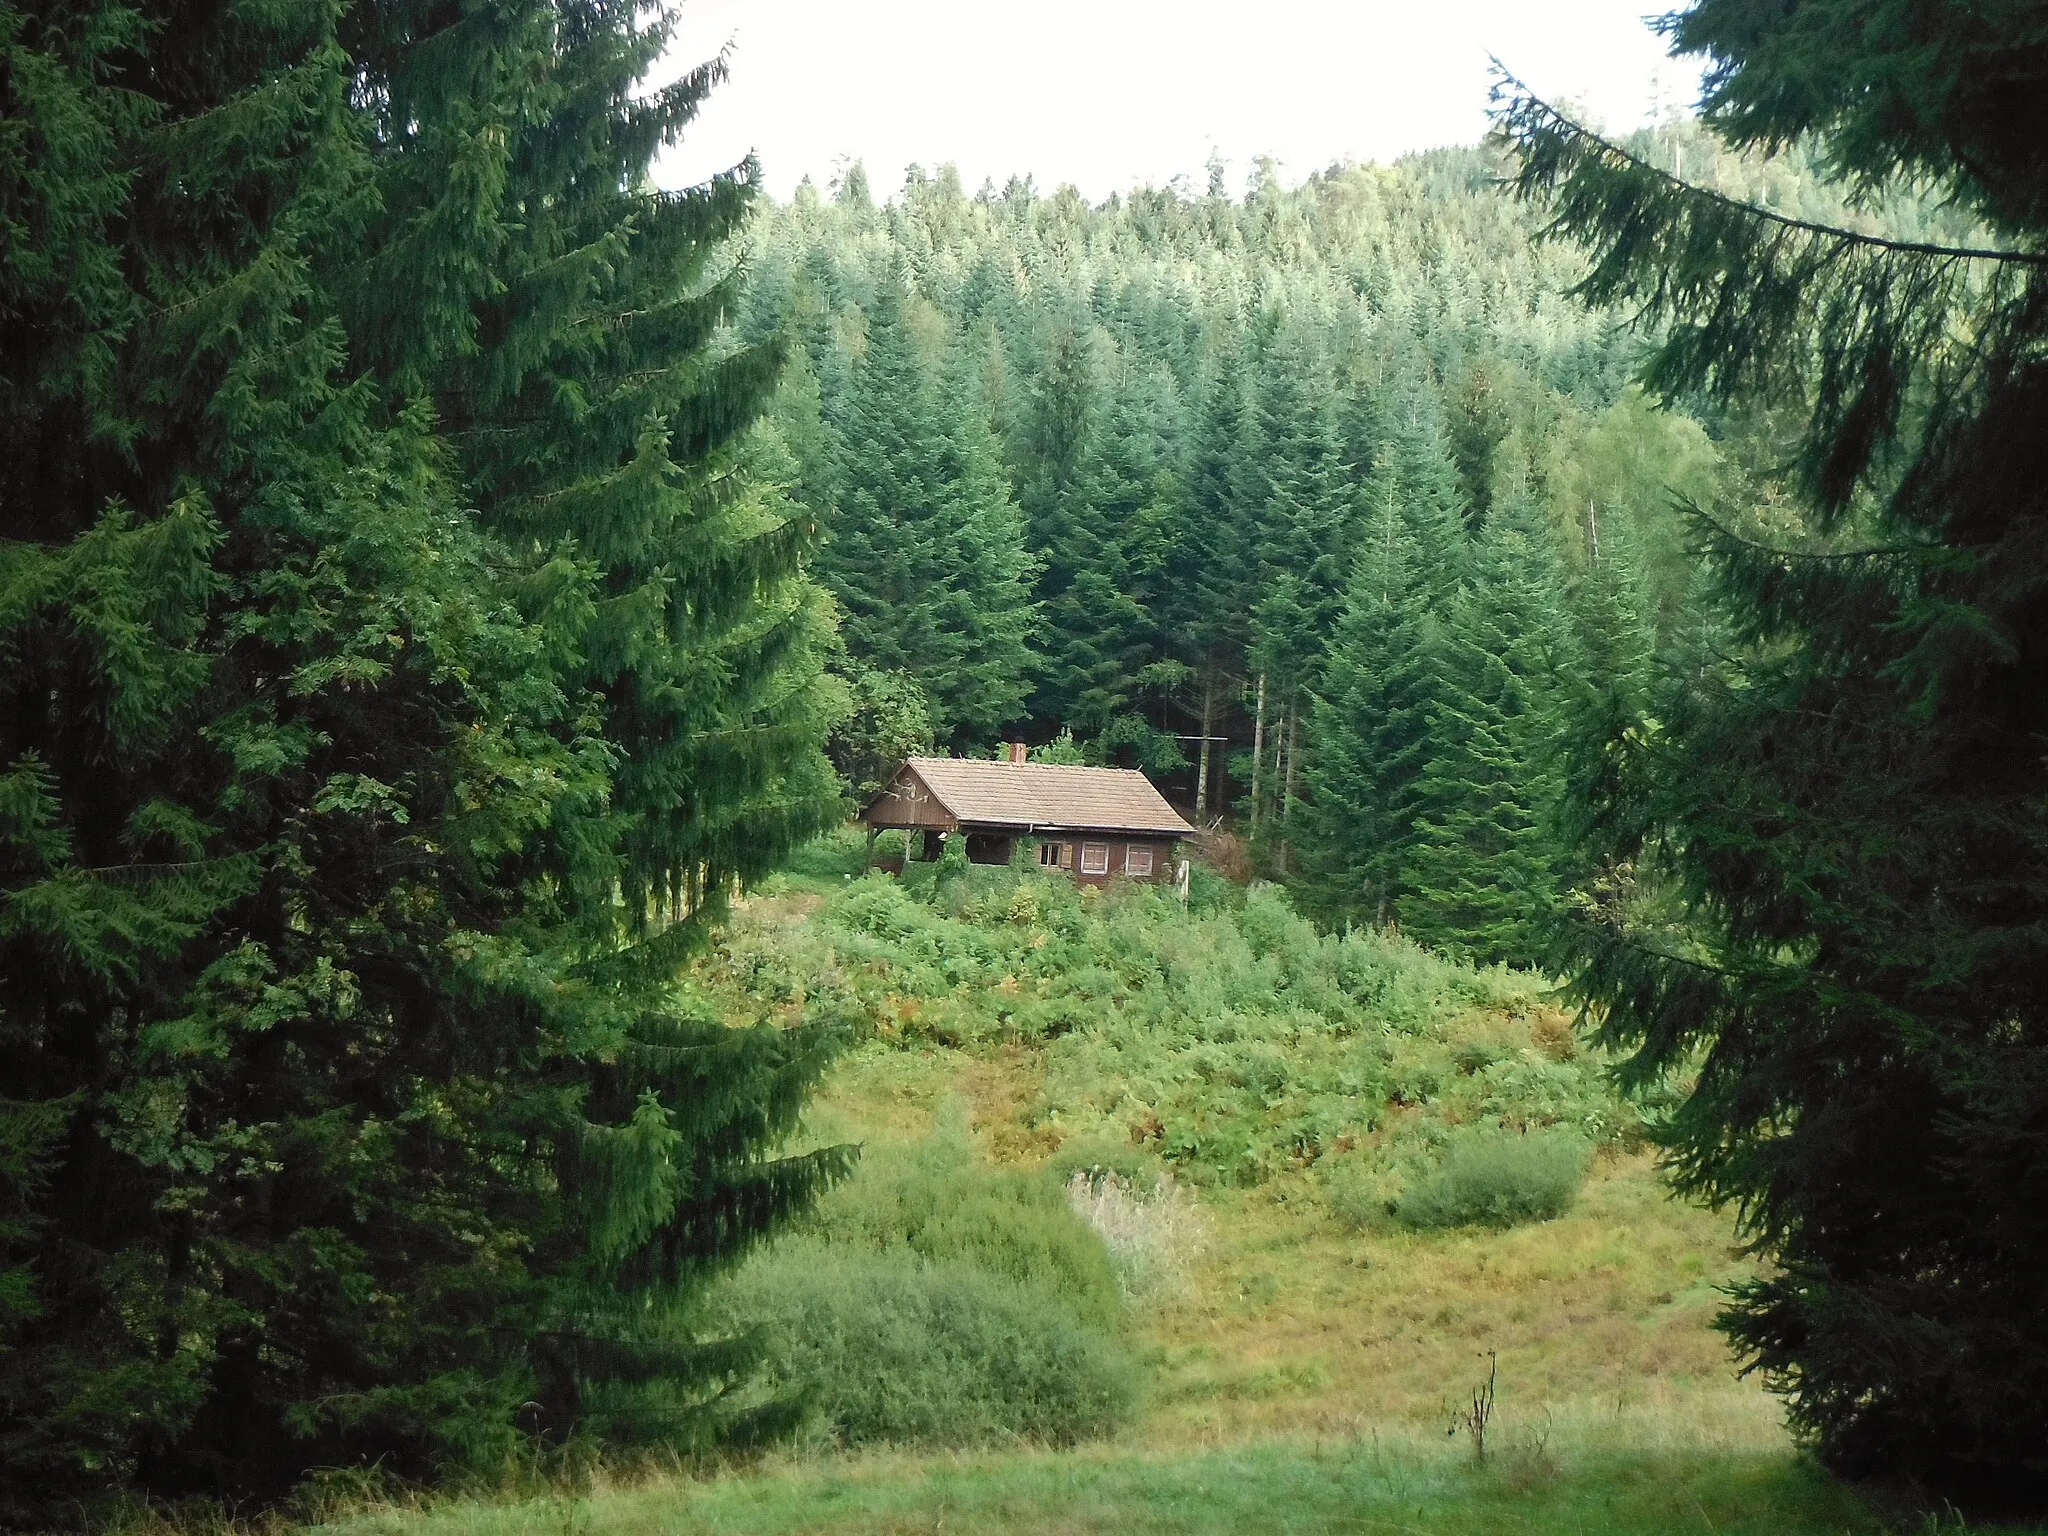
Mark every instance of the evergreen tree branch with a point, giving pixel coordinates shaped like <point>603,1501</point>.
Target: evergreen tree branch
<point>1877,341</point>
<point>1527,116</point>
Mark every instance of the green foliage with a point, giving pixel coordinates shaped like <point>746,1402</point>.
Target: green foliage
<point>1822,848</point>
<point>1497,1178</point>
<point>402,666</point>
<point>925,550</point>
<point>889,1349</point>
<point>1227,1042</point>
<point>890,720</point>
<point>1195,402</point>
<point>1483,857</point>
<point>938,1203</point>
<point>1061,749</point>
<point>1451,683</point>
<point>935,1301</point>
<point>1270,1487</point>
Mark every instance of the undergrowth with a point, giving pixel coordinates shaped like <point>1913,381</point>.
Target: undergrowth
<point>1228,1042</point>
<point>935,1301</point>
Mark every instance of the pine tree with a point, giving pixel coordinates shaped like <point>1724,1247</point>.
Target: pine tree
<point>1373,730</point>
<point>1081,478</point>
<point>1485,866</point>
<point>350,1115</point>
<point>1129,495</point>
<point>1614,610</point>
<point>1202,610</point>
<point>926,552</point>
<point>1369,731</point>
<point>1844,800</point>
<point>1302,500</point>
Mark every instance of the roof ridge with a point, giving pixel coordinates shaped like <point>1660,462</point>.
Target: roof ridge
<point>1077,796</point>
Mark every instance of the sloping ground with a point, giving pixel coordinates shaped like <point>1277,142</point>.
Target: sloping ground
<point>1295,1318</point>
<point>1294,1323</point>
<point>1303,1373</point>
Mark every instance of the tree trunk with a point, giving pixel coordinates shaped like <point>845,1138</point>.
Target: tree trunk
<point>1208,729</point>
<point>1258,750</point>
<point>1293,759</point>
<point>1283,773</point>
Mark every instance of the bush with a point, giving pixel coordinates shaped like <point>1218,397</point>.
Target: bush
<point>887,1347</point>
<point>840,854</point>
<point>1497,1178</point>
<point>1234,1044</point>
<point>933,1300</point>
<point>936,1203</point>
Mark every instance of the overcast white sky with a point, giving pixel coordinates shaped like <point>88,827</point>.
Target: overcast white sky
<point>1109,93</point>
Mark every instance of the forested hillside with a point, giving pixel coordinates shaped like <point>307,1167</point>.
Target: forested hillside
<point>1329,505</point>
<point>452,591</point>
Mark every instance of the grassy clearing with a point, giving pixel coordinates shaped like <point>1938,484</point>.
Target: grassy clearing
<point>1299,1086</point>
<point>1294,1321</point>
<point>1363,1485</point>
<point>1299,1348</point>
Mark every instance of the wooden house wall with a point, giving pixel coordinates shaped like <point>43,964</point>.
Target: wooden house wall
<point>1119,848</point>
<point>907,803</point>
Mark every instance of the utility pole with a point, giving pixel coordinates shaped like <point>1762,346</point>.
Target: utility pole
<point>1208,726</point>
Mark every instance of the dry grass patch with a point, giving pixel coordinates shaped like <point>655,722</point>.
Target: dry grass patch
<point>1608,1304</point>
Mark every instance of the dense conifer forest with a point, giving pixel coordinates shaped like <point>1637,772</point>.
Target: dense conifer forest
<point>1329,507</point>
<point>1589,594</point>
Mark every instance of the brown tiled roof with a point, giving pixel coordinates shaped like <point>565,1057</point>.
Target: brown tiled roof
<point>1048,795</point>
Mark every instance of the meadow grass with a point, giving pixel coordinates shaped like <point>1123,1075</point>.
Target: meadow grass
<point>1359,1485</point>
<point>1304,1368</point>
<point>1295,1321</point>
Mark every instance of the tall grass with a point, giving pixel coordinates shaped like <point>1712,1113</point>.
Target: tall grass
<point>1388,1484</point>
<point>1154,1236</point>
<point>887,1348</point>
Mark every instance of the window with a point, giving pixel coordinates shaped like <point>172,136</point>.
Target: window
<point>1095,858</point>
<point>1137,860</point>
<point>1049,855</point>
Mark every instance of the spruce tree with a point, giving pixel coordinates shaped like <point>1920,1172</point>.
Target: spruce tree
<point>925,547</point>
<point>1615,614</point>
<point>1130,496</point>
<point>1484,867</point>
<point>1369,731</point>
<point>1300,498</point>
<point>1844,800</point>
<point>1202,609</point>
<point>1373,726</point>
<point>374,498</point>
<point>1087,485</point>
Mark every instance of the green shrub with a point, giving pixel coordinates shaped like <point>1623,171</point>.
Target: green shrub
<point>1234,1042</point>
<point>1498,1178</point>
<point>879,906</point>
<point>887,1347</point>
<point>933,1300</point>
<point>936,1203</point>
<point>833,855</point>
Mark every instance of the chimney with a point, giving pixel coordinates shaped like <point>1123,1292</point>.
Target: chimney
<point>1018,752</point>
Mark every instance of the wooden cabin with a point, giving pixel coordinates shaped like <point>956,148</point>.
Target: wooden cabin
<point>1095,824</point>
